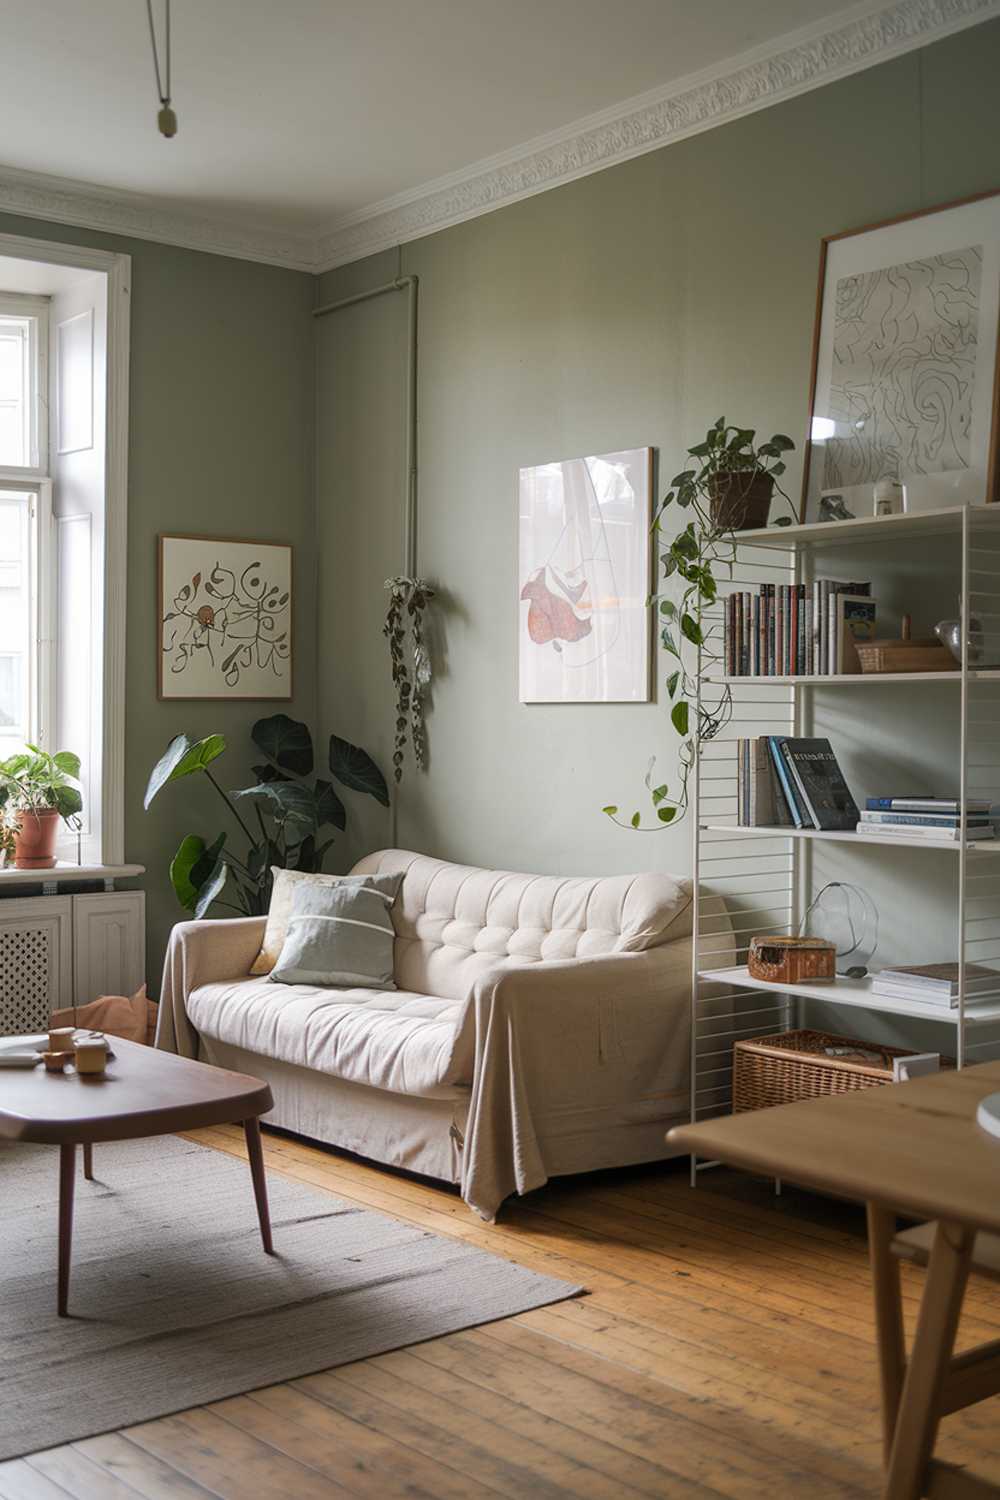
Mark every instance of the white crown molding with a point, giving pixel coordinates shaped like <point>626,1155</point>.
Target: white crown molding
<point>788,66</point>
<point>861,37</point>
<point>144,217</point>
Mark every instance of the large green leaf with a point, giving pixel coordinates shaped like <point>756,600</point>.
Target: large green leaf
<point>192,847</point>
<point>354,768</point>
<point>287,802</point>
<point>329,808</point>
<point>183,757</point>
<point>67,763</point>
<point>67,799</point>
<point>287,742</point>
<point>212,888</point>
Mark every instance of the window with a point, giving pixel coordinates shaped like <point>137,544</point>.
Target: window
<point>23,361</point>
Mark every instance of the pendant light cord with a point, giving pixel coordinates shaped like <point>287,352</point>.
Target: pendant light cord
<point>163,97</point>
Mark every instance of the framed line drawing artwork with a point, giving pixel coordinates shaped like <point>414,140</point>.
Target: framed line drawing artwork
<point>905,370</point>
<point>224,618</point>
<point>583,579</point>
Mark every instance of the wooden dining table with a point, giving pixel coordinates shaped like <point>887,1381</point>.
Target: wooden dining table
<point>912,1149</point>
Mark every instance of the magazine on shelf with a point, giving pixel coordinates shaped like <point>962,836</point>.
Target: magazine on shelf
<point>928,804</point>
<point>914,834</point>
<point>824,795</point>
<point>925,820</point>
<point>934,983</point>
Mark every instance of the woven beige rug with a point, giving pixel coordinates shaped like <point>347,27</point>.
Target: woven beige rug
<point>173,1302</point>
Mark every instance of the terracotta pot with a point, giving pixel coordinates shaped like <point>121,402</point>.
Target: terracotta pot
<point>35,840</point>
<point>740,502</point>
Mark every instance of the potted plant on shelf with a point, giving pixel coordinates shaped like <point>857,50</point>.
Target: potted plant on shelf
<point>35,792</point>
<point>728,490</point>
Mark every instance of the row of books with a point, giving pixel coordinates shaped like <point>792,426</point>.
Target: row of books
<point>791,783</point>
<point>935,984</point>
<point>797,630</point>
<point>936,818</point>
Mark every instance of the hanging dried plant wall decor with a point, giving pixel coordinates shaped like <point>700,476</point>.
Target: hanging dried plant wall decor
<point>408,598</point>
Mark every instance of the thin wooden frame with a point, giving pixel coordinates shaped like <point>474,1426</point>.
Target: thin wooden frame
<point>238,541</point>
<point>993,452</point>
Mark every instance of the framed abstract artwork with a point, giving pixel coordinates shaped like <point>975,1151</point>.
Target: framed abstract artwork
<point>583,580</point>
<point>224,618</point>
<point>904,379</point>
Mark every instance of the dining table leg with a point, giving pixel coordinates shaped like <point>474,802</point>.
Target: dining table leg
<point>251,1129</point>
<point>930,1359</point>
<point>67,1179</point>
<point>889,1332</point>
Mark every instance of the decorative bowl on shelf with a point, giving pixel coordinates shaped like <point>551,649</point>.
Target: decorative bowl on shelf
<point>949,633</point>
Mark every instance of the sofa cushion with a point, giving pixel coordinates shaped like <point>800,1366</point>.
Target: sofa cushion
<point>284,886</point>
<point>389,1039</point>
<point>339,936</point>
<point>454,921</point>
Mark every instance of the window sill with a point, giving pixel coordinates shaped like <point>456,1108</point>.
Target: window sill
<point>64,873</point>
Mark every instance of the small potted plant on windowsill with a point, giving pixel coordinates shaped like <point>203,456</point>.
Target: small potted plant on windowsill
<point>35,792</point>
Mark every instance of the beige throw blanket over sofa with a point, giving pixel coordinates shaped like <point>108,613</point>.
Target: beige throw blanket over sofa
<point>540,1026</point>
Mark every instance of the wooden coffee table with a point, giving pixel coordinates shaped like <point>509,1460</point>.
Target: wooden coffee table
<point>143,1093</point>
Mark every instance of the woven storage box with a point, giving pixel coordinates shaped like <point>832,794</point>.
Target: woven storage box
<point>780,1069</point>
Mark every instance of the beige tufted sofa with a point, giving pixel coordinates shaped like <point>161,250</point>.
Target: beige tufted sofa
<point>540,1026</point>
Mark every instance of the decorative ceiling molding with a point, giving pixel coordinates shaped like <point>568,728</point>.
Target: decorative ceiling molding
<point>790,65</point>
<point>144,217</point>
<point>859,38</point>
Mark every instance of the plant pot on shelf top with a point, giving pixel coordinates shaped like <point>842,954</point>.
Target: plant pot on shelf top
<point>35,839</point>
<point>740,500</point>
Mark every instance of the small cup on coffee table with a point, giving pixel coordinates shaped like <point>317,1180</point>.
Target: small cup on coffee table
<point>91,1055</point>
<point>55,1062</point>
<point>61,1038</point>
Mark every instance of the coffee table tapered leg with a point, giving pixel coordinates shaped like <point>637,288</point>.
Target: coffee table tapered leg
<point>88,1162</point>
<point>67,1177</point>
<point>251,1129</point>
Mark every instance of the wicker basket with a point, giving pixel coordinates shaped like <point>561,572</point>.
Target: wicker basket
<point>904,656</point>
<point>780,1069</point>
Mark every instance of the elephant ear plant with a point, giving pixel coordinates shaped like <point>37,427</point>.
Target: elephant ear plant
<point>289,810</point>
<point>728,489</point>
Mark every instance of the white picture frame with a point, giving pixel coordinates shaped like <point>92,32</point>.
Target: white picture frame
<point>904,382</point>
<point>584,554</point>
<point>224,618</point>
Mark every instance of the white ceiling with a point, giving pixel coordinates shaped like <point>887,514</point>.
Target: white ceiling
<point>299,116</point>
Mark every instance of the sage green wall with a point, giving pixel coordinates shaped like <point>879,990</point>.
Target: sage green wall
<point>631,307</point>
<point>221,442</point>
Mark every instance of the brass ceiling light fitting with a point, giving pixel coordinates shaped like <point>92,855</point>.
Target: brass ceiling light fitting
<point>166,119</point>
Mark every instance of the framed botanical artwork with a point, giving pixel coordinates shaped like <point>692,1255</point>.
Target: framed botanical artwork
<point>583,581</point>
<point>224,618</point>
<point>905,371</point>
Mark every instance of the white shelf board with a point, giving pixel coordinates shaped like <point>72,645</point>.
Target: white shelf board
<point>866,528</point>
<point>65,872</point>
<point>858,992</point>
<point>854,679</point>
<point>847,836</point>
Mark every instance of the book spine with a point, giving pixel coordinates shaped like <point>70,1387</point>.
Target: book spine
<point>816,617</point>
<point>809,668</point>
<point>747,668</point>
<point>805,804</point>
<point>800,639</point>
<point>774,743</point>
<point>751,777</point>
<point>793,634</point>
<point>755,635</point>
<point>831,626</point>
<point>739,782</point>
<point>924,820</point>
<point>772,625</point>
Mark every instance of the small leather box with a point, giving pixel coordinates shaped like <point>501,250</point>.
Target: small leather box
<point>793,960</point>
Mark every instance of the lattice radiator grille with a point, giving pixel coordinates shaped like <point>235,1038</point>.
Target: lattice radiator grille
<point>25,985</point>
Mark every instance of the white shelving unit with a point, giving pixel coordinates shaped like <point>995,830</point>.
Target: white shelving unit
<point>767,877</point>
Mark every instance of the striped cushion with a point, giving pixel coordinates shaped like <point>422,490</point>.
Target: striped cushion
<point>340,936</point>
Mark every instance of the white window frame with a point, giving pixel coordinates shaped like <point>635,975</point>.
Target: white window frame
<point>117,268</point>
<point>21,305</point>
<point>41,597</point>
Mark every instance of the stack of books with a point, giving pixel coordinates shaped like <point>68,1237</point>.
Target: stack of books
<point>935,984</point>
<point>795,630</point>
<point>791,783</point>
<point>937,819</point>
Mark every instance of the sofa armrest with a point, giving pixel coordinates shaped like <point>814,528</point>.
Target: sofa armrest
<point>201,953</point>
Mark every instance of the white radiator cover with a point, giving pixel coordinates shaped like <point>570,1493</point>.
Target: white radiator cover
<point>57,951</point>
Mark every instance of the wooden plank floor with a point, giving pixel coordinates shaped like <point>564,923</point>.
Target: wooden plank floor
<point>724,1350</point>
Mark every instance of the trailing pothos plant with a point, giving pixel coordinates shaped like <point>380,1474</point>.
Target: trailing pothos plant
<point>728,464</point>
<point>289,809</point>
<point>408,599</point>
